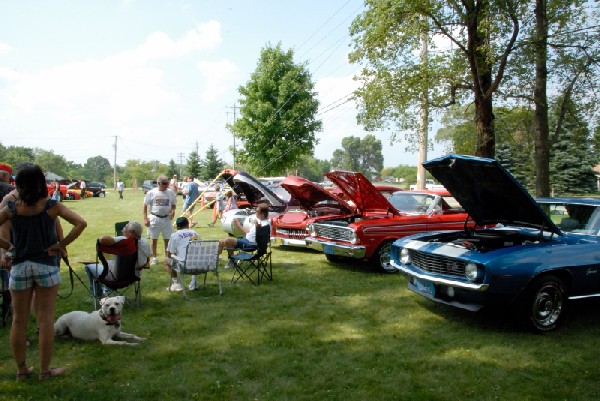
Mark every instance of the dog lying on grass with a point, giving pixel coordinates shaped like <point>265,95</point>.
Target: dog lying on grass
<point>103,324</point>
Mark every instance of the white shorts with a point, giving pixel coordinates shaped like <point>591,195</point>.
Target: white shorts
<point>158,226</point>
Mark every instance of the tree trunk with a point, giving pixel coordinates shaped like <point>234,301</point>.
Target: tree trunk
<point>481,73</point>
<point>542,146</point>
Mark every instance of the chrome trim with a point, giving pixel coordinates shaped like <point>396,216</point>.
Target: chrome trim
<point>349,251</point>
<point>443,281</point>
<point>288,241</point>
<point>585,296</point>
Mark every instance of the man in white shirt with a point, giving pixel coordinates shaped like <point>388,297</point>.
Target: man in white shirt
<point>159,210</point>
<point>248,242</point>
<point>176,251</point>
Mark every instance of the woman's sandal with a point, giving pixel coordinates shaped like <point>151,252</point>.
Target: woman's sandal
<point>51,373</point>
<point>25,375</point>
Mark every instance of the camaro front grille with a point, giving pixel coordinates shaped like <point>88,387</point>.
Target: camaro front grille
<point>292,234</point>
<point>438,264</point>
<point>334,232</point>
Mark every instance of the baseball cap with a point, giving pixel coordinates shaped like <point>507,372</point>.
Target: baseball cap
<point>181,222</point>
<point>6,167</point>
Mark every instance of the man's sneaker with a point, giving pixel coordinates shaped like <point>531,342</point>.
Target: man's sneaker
<point>230,264</point>
<point>211,224</point>
<point>154,261</point>
<point>176,287</point>
<point>193,285</point>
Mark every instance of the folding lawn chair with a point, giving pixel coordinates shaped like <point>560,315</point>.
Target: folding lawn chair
<point>201,257</point>
<point>119,269</point>
<point>259,261</point>
<point>119,227</point>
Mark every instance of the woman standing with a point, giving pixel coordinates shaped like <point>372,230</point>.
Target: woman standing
<point>35,255</point>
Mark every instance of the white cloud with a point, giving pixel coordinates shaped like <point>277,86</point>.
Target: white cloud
<point>219,78</point>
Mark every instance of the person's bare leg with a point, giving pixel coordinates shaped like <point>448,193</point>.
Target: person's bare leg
<point>229,242</point>
<point>154,243</point>
<point>21,304</point>
<point>166,241</point>
<point>45,299</point>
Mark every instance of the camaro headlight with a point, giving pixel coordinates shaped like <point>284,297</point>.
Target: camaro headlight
<point>404,256</point>
<point>471,271</point>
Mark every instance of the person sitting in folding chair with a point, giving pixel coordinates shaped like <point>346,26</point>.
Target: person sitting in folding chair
<point>177,247</point>
<point>248,242</point>
<point>133,229</point>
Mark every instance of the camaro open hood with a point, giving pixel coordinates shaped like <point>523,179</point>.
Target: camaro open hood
<point>360,191</point>
<point>243,183</point>
<point>309,194</point>
<point>488,192</point>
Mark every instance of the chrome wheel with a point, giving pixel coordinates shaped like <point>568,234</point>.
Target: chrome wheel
<point>547,303</point>
<point>383,257</point>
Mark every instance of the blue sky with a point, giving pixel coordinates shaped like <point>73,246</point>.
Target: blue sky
<point>162,76</point>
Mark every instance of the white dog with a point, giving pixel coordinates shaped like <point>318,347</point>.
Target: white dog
<point>103,324</point>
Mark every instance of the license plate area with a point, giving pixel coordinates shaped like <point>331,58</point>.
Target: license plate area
<point>328,249</point>
<point>425,286</point>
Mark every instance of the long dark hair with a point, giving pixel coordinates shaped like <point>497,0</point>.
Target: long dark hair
<point>31,184</point>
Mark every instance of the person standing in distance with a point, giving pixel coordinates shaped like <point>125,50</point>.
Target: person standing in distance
<point>120,188</point>
<point>191,192</point>
<point>159,210</point>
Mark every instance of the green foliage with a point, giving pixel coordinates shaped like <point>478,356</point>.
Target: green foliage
<point>97,169</point>
<point>312,169</point>
<point>139,171</point>
<point>394,78</point>
<point>14,155</point>
<point>572,157</point>
<point>51,162</point>
<point>279,108</point>
<point>359,155</point>
<point>212,165</point>
<point>173,169</point>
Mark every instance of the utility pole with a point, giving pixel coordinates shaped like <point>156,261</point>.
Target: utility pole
<point>180,155</point>
<point>234,107</point>
<point>115,166</point>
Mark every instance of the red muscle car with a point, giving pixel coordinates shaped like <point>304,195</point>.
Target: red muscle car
<point>377,222</point>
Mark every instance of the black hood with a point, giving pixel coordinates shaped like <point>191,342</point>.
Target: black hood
<point>488,192</point>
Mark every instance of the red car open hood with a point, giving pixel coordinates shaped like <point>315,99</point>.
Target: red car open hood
<point>360,191</point>
<point>309,194</point>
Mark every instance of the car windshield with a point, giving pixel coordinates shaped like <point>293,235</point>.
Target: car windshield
<point>575,218</point>
<point>412,203</point>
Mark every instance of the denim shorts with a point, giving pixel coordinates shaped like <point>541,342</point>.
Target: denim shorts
<point>245,245</point>
<point>29,274</point>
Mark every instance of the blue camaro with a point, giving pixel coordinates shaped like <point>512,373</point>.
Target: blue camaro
<point>532,255</point>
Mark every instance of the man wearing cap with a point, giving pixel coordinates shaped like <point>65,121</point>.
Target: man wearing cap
<point>176,251</point>
<point>133,229</point>
<point>159,210</point>
<point>5,177</point>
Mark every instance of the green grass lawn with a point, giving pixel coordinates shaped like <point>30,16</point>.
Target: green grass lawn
<point>318,331</point>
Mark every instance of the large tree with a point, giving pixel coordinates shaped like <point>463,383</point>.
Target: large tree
<point>97,168</point>
<point>212,165</point>
<point>279,108</point>
<point>480,36</point>
<point>359,155</point>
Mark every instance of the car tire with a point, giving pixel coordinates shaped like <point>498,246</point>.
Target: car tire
<point>101,194</point>
<point>545,303</point>
<point>381,259</point>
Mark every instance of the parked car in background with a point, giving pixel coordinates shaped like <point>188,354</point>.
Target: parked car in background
<point>312,203</point>
<point>251,191</point>
<point>368,234</point>
<point>148,185</point>
<point>98,189</point>
<point>517,257</point>
<point>74,191</point>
